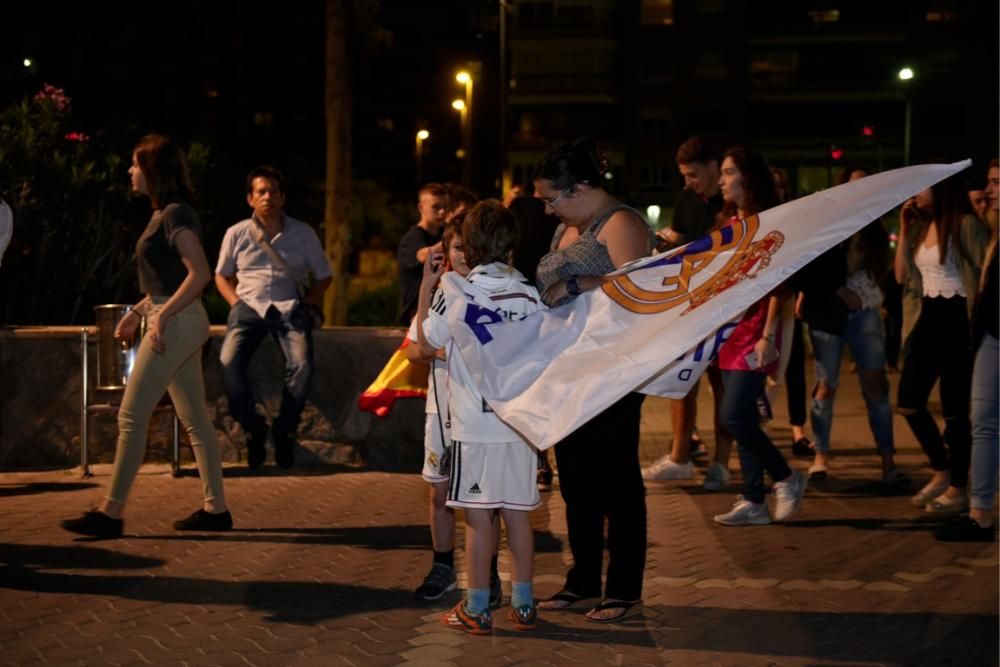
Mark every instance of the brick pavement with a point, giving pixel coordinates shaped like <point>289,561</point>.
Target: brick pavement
<point>321,565</point>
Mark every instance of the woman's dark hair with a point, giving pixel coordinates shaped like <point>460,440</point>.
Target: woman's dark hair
<point>489,233</point>
<point>758,183</point>
<point>165,170</point>
<point>845,175</point>
<point>950,203</point>
<point>873,242</point>
<point>567,165</point>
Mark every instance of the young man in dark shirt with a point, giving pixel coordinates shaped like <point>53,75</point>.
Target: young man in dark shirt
<point>416,243</point>
<point>695,212</point>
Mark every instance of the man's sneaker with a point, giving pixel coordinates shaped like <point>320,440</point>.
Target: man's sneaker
<point>665,468</point>
<point>717,478</point>
<point>523,618</point>
<point>256,453</point>
<point>460,618</point>
<point>789,495</point>
<point>284,449</point>
<point>496,591</point>
<point>744,513</point>
<point>202,520</point>
<point>440,580</point>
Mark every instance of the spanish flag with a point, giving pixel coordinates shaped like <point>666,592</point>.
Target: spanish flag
<point>399,379</point>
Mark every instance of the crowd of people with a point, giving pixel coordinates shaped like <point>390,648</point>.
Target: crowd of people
<point>530,253</point>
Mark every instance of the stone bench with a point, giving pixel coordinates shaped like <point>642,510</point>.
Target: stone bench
<point>40,394</point>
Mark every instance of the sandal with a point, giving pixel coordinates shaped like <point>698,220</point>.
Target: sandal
<point>563,600</point>
<point>626,609</point>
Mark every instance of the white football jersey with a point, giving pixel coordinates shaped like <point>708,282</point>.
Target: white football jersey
<point>472,419</point>
<point>437,380</point>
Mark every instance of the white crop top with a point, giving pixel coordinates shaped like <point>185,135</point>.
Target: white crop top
<point>939,279</point>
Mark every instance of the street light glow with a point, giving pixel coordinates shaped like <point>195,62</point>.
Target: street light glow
<point>905,74</point>
<point>423,134</point>
<point>463,77</point>
<point>26,62</point>
<point>458,105</point>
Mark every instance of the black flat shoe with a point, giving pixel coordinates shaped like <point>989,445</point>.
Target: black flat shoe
<point>803,447</point>
<point>966,529</point>
<point>202,520</point>
<point>95,524</point>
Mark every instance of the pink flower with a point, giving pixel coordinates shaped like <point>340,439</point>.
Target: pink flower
<point>57,96</point>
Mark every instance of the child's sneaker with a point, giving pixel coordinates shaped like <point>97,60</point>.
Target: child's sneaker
<point>523,618</point>
<point>460,618</point>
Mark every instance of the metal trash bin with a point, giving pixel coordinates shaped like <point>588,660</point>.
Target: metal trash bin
<point>115,361</point>
<point>115,357</point>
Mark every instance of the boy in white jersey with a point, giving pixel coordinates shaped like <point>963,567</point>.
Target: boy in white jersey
<point>492,468</point>
<point>437,454</point>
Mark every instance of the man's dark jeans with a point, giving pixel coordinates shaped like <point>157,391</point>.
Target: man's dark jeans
<point>245,331</point>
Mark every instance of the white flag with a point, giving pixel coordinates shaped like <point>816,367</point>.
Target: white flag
<point>656,325</point>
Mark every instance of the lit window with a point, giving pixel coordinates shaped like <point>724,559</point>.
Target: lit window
<point>819,16</point>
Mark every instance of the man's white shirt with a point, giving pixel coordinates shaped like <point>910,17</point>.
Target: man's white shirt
<point>260,283</point>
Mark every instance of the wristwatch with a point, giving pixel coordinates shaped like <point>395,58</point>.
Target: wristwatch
<point>573,286</point>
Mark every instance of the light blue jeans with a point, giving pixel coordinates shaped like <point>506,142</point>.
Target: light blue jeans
<point>985,443</point>
<point>863,333</point>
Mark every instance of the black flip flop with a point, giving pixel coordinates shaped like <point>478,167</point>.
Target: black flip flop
<point>626,608</point>
<point>568,597</point>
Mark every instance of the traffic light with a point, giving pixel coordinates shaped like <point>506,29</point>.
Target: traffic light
<point>868,131</point>
<point>836,153</point>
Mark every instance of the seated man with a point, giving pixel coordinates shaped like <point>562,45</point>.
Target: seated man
<point>262,271</point>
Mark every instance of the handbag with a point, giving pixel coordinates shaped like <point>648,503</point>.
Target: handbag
<point>312,310</point>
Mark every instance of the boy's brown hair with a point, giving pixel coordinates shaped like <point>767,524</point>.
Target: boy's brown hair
<point>489,233</point>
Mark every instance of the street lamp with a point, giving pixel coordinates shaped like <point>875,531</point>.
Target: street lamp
<point>906,74</point>
<point>422,135</point>
<point>465,78</point>
<point>462,153</point>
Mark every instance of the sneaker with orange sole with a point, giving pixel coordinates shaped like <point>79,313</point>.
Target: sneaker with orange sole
<point>460,618</point>
<point>523,618</point>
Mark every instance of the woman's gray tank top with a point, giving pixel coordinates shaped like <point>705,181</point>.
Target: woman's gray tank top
<point>584,257</point>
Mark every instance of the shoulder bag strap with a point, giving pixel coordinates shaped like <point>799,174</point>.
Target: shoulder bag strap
<point>257,232</point>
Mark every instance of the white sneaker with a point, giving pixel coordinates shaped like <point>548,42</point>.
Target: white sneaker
<point>789,495</point>
<point>717,478</point>
<point>745,513</point>
<point>664,468</point>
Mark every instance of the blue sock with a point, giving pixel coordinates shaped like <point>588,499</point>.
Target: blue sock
<point>521,594</point>
<point>477,600</point>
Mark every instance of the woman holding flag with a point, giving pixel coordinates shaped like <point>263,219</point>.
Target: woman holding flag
<point>599,472</point>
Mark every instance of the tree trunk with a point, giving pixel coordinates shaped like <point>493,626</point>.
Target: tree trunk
<point>338,156</point>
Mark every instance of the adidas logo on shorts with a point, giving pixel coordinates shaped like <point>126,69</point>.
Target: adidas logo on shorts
<point>475,489</point>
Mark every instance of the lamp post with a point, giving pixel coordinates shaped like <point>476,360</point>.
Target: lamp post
<point>462,154</point>
<point>465,78</point>
<point>422,135</point>
<point>906,74</point>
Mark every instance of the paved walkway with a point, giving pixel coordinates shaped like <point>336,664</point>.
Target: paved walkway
<point>321,565</point>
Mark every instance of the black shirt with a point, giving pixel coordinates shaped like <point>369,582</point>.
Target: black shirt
<point>694,216</point>
<point>159,264</point>
<point>410,269</point>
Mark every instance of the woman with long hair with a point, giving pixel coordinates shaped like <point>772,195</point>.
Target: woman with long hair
<point>599,473</point>
<point>842,300</point>
<point>173,271</point>
<point>750,354</point>
<point>938,259</point>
